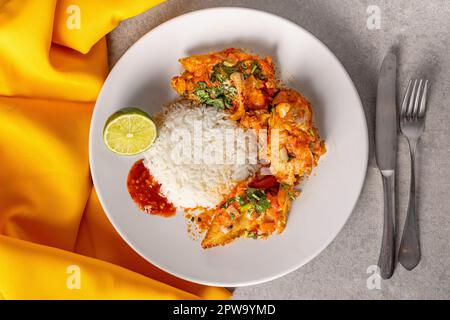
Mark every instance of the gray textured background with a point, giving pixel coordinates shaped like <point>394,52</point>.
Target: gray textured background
<point>421,32</point>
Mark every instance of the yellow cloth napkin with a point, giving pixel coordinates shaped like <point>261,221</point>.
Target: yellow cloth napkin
<point>55,240</point>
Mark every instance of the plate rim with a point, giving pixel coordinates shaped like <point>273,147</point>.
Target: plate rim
<point>326,243</point>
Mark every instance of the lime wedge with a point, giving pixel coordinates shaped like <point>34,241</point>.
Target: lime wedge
<point>129,131</point>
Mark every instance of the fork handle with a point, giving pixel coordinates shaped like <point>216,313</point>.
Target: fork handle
<point>386,261</point>
<point>409,254</point>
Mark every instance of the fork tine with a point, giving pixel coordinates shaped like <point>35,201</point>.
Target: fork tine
<point>412,100</point>
<point>406,99</point>
<point>415,112</point>
<point>423,103</point>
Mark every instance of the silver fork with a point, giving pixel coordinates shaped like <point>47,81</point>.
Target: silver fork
<point>412,124</point>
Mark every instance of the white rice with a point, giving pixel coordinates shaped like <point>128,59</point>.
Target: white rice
<point>188,183</point>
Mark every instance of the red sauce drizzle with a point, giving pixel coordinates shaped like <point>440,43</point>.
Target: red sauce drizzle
<point>146,192</point>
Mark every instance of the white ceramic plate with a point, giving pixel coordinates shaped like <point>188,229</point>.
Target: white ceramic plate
<point>142,78</point>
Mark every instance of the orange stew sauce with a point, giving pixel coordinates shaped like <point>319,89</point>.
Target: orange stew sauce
<point>146,192</point>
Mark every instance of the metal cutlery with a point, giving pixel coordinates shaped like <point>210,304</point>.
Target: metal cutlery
<point>386,150</point>
<point>412,124</point>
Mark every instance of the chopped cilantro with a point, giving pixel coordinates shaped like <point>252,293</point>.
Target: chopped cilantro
<point>252,235</point>
<point>258,199</point>
<point>262,206</point>
<point>255,194</point>
<point>222,71</point>
<point>228,202</point>
<point>218,103</point>
<point>256,71</point>
<point>202,95</point>
<point>241,200</point>
<point>211,98</point>
<point>220,96</point>
<point>202,85</point>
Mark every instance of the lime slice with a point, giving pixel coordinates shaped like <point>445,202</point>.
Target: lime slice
<point>129,131</point>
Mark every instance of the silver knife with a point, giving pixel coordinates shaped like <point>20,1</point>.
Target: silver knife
<point>386,151</point>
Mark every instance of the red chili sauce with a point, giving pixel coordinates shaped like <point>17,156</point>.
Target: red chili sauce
<point>146,192</point>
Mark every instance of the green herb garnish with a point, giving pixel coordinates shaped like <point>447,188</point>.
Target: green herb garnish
<point>255,200</point>
<point>202,85</point>
<point>258,199</point>
<point>220,97</point>
<point>262,206</point>
<point>240,200</point>
<point>252,235</point>
<point>255,194</point>
<point>222,72</point>
<point>228,202</point>
<point>256,71</point>
<point>202,95</point>
<point>218,103</point>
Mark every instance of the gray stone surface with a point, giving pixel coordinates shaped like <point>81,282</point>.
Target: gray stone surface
<point>421,32</point>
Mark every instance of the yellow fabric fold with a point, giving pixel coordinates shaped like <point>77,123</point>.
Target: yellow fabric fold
<point>33,66</point>
<point>55,240</point>
<point>71,276</point>
<point>93,23</point>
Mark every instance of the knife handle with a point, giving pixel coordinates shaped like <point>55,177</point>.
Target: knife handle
<point>386,261</point>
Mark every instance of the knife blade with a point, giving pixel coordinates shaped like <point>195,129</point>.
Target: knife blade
<point>386,152</point>
<point>386,119</point>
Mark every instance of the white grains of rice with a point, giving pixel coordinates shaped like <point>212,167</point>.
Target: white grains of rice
<point>188,183</point>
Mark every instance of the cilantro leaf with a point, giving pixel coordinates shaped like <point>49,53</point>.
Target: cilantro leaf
<point>241,200</point>
<point>252,235</point>
<point>220,96</point>
<point>202,85</point>
<point>228,202</point>
<point>262,206</point>
<point>202,95</point>
<point>259,200</point>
